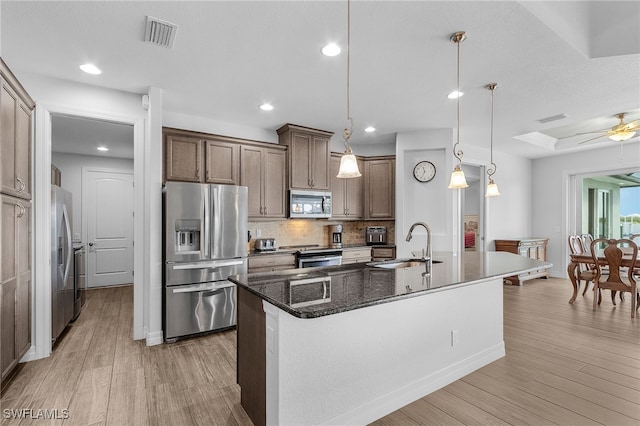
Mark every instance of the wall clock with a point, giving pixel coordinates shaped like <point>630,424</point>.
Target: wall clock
<point>424,171</point>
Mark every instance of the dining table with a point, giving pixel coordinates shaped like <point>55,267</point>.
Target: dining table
<point>585,258</point>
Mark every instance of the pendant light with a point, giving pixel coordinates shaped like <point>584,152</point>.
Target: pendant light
<point>457,176</point>
<point>492,187</point>
<point>348,162</point>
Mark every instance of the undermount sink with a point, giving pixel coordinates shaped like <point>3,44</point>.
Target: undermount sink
<point>402,263</point>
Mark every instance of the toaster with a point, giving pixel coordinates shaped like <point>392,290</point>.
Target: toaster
<point>265,244</point>
<point>376,235</point>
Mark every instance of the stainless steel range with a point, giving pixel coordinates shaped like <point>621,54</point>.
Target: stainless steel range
<point>313,255</point>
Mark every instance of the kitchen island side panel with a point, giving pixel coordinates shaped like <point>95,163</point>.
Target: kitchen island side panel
<point>360,365</point>
<point>251,361</point>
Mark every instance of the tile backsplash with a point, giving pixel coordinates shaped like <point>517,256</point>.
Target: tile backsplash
<point>295,232</point>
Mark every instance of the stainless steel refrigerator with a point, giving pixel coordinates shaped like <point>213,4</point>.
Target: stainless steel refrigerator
<point>205,241</point>
<point>62,260</point>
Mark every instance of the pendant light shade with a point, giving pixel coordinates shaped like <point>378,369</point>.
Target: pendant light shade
<point>492,187</point>
<point>458,180</point>
<point>348,162</point>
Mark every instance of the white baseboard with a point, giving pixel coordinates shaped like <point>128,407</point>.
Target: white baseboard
<point>31,355</point>
<point>386,404</point>
<point>154,338</point>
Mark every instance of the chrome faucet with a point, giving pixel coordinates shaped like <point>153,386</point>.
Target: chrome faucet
<point>427,252</point>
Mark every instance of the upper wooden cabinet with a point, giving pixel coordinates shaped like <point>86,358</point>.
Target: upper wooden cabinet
<point>222,162</point>
<point>380,197</point>
<point>183,158</point>
<point>309,156</point>
<point>198,157</point>
<point>263,171</point>
<point>16,107</point>
<point>347,195</point>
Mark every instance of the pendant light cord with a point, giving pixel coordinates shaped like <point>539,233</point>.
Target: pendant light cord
<point>458,38</point>
<point>491,170</point>
<point>347,132</point>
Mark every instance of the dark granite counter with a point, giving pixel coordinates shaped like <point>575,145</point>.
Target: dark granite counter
<point>316,292</point>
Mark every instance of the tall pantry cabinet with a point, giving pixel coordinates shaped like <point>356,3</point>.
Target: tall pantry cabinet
<point>16,111</point>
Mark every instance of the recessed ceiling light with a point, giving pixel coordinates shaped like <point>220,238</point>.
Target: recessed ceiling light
<point>102,148</point>
<point>370,129</point>
<point>266,107</point>
<point>455,95</point>
<point>90,69</point>
<point>331,49</point>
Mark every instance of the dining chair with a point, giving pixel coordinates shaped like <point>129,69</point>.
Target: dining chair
<point>620,278</point>
<point>584,271</point>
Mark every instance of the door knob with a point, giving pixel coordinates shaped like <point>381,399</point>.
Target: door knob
<point>90,244</point>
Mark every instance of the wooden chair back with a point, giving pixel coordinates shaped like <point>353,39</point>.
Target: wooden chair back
<point>618,277</point>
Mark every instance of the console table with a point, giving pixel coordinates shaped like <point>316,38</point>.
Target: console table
<point>534,248</point>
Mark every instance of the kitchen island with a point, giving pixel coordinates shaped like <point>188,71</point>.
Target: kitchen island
<point>350,344</point>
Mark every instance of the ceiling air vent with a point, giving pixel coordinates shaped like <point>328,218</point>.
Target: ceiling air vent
<point>159,32</point>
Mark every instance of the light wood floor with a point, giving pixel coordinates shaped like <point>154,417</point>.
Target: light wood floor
<point>565,365</point>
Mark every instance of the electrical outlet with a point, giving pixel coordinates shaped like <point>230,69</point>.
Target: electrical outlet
<point>258,233</point>
<point>454,337</point>
<point>76,236</point>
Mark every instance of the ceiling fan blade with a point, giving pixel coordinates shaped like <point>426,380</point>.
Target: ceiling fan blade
<point>588,133</point>
<point>592,139</point>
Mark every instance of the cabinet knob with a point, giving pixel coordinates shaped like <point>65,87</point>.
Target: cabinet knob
<point>265,210</point>
<point>261,209</point>
<point>22,210</point>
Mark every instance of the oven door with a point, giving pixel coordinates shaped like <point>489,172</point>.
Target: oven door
<point>315,261</point>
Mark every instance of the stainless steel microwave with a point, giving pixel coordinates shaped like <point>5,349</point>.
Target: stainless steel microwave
<point>309,204</point>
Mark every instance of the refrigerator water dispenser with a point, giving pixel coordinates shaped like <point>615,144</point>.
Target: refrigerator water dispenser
<point>187,236</point>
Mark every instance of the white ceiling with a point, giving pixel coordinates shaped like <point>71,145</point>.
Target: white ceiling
<point>580,58</point>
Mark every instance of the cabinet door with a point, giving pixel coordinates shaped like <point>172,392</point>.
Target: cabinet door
<point>8,105</point>
<point>319,164</point>
<point>183,159</point>
<point>355,194</point>
<point>275,181</point>
<point>221,162</point>
<point>380,191</point>
<point>23,290</point>
<point>251,177</point>
<point>23,151</point>
<point>7,316</point>
<point>338,186</point>
<point>300,160</point>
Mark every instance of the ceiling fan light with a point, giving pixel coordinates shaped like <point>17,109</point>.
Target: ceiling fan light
<point>621,136</point>
<point>458,181</point>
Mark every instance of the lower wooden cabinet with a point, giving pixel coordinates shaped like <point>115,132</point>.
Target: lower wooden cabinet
<point>271,262</point>
<point>15,281</point>
<point>383,253</point>
<point>356,255</point>
<point>534,248</point>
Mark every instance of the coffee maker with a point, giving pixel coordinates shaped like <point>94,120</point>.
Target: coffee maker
<point>335,235</point>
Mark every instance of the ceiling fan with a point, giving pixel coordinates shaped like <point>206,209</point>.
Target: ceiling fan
<point>619,133</point>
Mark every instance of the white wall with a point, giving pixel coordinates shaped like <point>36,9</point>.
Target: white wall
<point>70,166</point>
<point>56,96</point>
<point>507,216</point>
<point>551,215</point>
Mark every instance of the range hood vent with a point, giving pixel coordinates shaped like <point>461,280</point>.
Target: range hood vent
<point>159,32</point>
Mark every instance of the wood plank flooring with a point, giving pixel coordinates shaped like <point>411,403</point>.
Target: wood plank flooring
<point>565,365</point>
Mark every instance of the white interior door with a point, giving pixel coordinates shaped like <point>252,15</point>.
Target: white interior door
<point>108,216</point>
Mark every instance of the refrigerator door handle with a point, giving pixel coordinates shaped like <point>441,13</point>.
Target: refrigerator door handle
<point>206,265</point>
<point>215,286</point>
<point>206,241</point>
<point>65,217</point>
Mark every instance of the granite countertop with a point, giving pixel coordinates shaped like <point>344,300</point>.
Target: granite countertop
<point>316,292</point>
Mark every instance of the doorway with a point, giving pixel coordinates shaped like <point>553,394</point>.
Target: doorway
<point>473,209</point>
<point>94,158</point>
